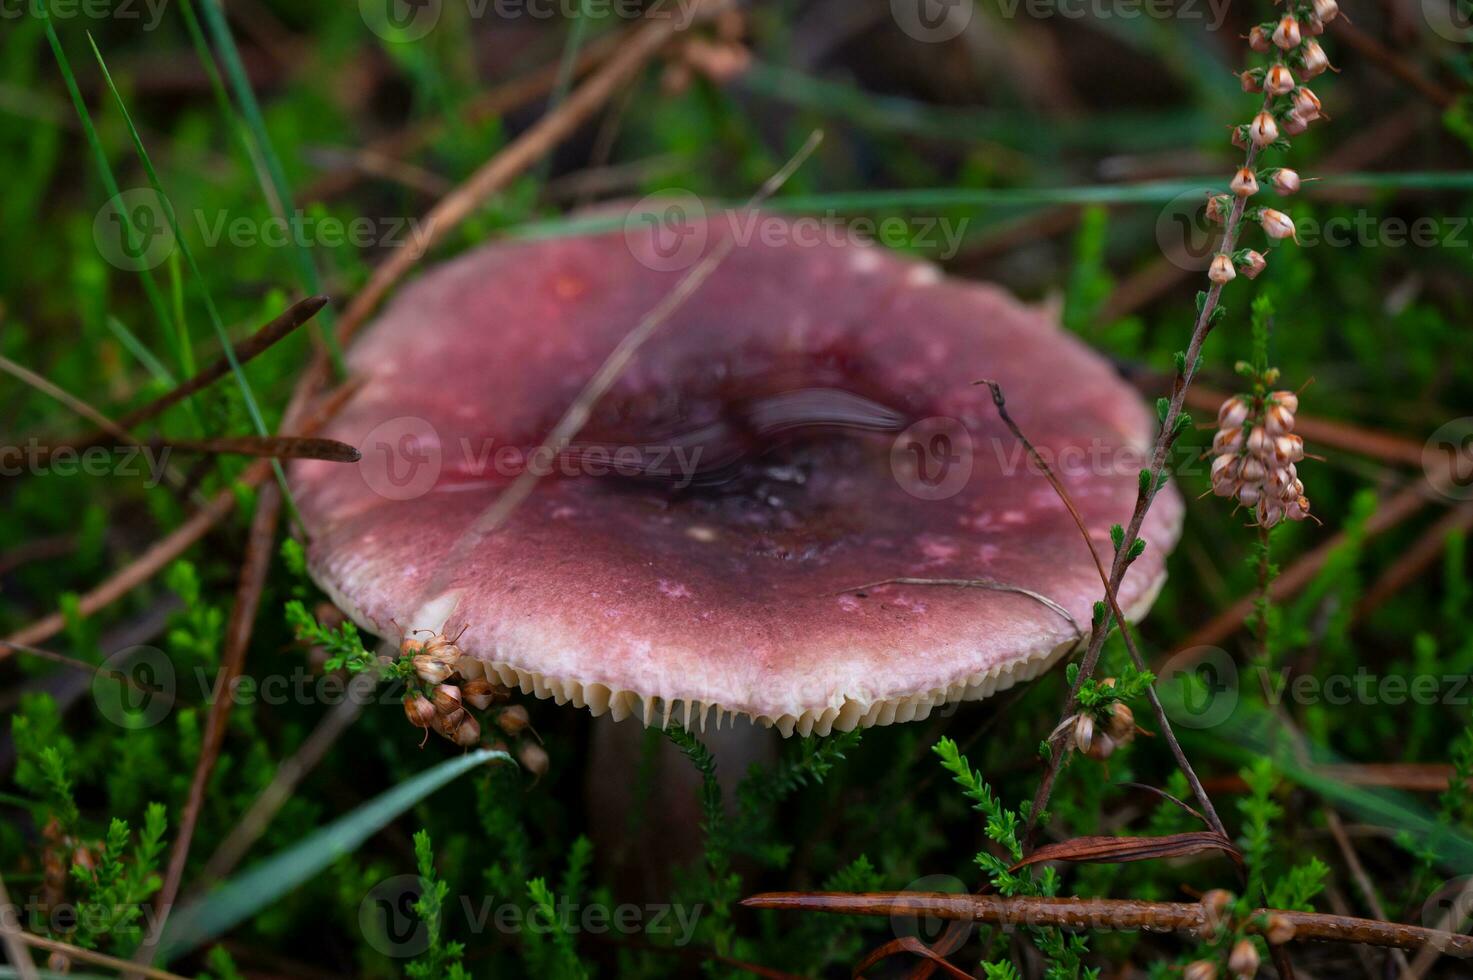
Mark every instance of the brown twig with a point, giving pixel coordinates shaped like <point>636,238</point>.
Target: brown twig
<point>171,546</point>
<point>268,447</point>
<point>495,102</point>
<point>1416,558</point>
<point>1112,597</point>
<point>254,568</point>
<point>975,583</point>
<point>621,67</point>
<point>262,340</point>
<point>1107,915</point>
<point>98,959</point>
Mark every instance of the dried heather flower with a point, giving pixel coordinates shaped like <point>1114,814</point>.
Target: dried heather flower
<point>1278,420</point>
<point>1222,270</point>
<point>1225,471</point>
<point>419,710</point>
<point>1285,181</point>
<point>1251,80</point>
<point>1217,208</point>
<point>1084,732</point>
<point>1244,183</point>
<point>1288,399</point>
<point>513,719</point>
<point>1288,448</point>
<point>1260,443</point>
<point>1294,123</point>
<point>1313,60</point>
<point>1276,224</point>
<point>1234,412</point>
<point>1200,970</point>
<point>1251,264</point>
<point>1263,130</point>
<point>1122,722</point>
<point>1326,10</point>
<point>1306,103</point>
<point>1228,440</point>
<point>1258,39</point>
<point>1280,930</point>
<point>1243,961</point>
<point>1278,81</point>
<point>1286,36</point>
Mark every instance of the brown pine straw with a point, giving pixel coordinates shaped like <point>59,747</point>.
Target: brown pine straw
<point>1108,915</point>
<point>13,939</point>
<point>96,959</point>
<point>254,568</point>
<point>168,548</point>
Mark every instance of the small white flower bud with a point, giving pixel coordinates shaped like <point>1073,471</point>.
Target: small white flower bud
<point>1244,183</point>
<point>1228,441</point>
<point>1263,130</point>
<point>1315,61</point>
<point>1278,420</point>
<point>1225,475</point>
<point>1286,181</point>
<point>1279,80</point>
<point>1287,399</point>
<point>1294,123</point>
<point>1276,224</point>
<point>1269,511</point>
<point>1234,412</point>
<point>1250,494</point>
<point>1258,39</point>
<point>1286,35</point>
<point>1253,470</point>
<point>1326,10</point>
<point>1288,449</point>
<point>1222,270</point>
<point>1252,264</point>
<point>1260,443</point>
<point>1084,732</point>
<point>1251,80</point>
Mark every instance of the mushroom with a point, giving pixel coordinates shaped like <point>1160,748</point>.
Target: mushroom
<point>829,387</point>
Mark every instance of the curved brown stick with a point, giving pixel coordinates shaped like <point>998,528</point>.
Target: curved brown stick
<point>1107,915</point>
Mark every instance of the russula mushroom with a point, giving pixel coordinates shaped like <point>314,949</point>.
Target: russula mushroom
<point>828,388</point>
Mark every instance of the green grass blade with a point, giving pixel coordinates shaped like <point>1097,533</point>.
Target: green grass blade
<point>247,395</point>
<point>104,169</point>
<point>245,96</point>
<point>141,353</point>
<point>252,890</point>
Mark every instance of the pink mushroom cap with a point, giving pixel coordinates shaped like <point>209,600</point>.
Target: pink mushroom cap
<point>628,596</point>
